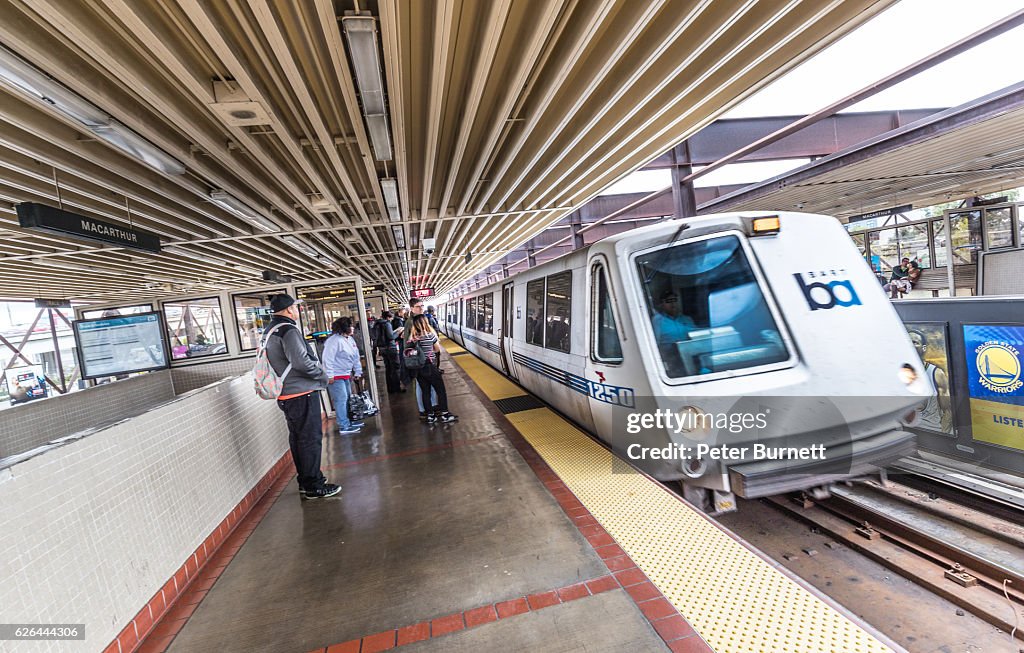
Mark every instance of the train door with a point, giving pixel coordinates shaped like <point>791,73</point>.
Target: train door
<point>505,335</point>
<point>457,326</point>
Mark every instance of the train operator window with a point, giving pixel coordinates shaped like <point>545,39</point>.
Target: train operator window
<point>707,310</point>
<point>535,312</point>
<point>558,308</point>
<point>605,336</point>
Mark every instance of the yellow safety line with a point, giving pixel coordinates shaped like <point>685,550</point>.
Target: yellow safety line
<point>736,600</point>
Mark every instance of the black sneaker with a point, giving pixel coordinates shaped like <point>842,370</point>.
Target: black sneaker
<point>423,417</point>
<point>431,419</point>
<point>327,490</point>
<point>448,418</point>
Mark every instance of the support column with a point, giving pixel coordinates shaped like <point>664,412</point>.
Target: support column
<point>575,223</point>
<point>683,199</point>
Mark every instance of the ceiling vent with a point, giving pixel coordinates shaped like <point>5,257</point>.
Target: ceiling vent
<point>235,108</point>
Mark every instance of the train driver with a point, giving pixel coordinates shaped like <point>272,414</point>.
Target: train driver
<point>671,326</point>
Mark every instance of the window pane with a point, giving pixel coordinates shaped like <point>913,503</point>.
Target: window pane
<point>481,313</point>
<point>606,336</point>
<point>535,312</point>
<point>471,313</point>
<point>252,314</point>
<point>116,312</point>
<point>707,310</point>
<point>860,240</point>
<point>885,250</point>
<point>488,306</point>
<point>999,224</point>
<point>559,302</point>
<point>966,228</point>
<point>913,240</point>
<point>196,328</point>
<point>939,237</point>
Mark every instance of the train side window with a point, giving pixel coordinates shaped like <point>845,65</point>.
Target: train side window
<point>605,345</point>
<point>471,313</point>
<point>487,313</point>
<point>558,308</point>
<point>535,312</point>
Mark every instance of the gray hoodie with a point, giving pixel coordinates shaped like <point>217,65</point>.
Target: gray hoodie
<point>287,345</point>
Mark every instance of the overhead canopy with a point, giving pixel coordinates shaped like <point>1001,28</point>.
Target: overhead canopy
<point>501,117</point>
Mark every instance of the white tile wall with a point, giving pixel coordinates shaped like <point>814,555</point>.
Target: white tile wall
<point>29,425</point>
<point>93,529</point>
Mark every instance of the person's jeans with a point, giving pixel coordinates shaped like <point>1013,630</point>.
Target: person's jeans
<point>430,380</point>
<point>340,390</point>
<point>419,397</point>
<point>305,438</point>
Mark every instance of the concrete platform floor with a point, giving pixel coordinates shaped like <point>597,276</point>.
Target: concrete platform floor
<point>434,521</point>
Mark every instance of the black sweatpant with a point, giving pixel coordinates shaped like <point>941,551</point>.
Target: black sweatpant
<point>392,368</point>
<point>305,437</point>
<point>429,378</point>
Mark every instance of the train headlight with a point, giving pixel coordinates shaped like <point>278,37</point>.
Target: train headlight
<point>766,226</point>
<point>907,374</point>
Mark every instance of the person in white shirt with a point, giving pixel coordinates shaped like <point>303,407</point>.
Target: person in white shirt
<point>341,360</point>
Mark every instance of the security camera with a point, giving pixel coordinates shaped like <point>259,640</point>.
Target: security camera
<point>428,246</point>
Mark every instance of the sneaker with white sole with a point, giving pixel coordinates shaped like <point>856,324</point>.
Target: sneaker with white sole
<point>327,490</point>
<point>448,418</point>
<point>348,431</point>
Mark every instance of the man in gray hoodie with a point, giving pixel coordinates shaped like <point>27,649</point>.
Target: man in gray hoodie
<point>300,395</point>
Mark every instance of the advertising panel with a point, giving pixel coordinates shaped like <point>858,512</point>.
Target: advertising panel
<point>121,345</point>
<point>930,341</point>
<point>25,383</point>
<point>994,378</point>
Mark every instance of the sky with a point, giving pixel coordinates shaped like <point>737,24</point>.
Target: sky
<point>906,32</point>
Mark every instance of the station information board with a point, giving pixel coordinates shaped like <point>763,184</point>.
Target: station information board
<point>423,292</point>
<point>110,346</point>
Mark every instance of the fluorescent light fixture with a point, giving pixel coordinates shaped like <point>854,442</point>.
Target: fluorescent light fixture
<point>237,208</point>
<point>399,234</point>
<point>361,34</point>
<point>389,188</point>
<point>298,244</point>
<point>327,260</point>
<point>135,146</point>
<point>25,77</point>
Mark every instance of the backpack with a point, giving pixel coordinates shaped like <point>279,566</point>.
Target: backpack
<point>380,335</point>
<point>413,357</point>
<point>268,383</point>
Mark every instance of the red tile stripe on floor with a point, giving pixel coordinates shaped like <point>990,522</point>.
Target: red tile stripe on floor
<point>153,628</point>
<point>472,618</point>
<point>413,452</point>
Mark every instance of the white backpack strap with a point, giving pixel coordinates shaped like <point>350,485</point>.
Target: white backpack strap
<point>263,346</point>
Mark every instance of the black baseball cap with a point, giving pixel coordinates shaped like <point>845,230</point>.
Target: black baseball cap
<point>280,302</point>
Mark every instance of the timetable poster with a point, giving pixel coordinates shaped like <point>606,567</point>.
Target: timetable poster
<point>994,378</point>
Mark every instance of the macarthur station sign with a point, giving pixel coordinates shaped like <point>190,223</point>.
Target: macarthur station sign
<point>39,217</point>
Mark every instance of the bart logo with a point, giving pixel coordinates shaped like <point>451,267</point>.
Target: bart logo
<point>828,295</point>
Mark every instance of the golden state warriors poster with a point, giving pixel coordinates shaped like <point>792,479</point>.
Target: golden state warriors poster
<point>996,385</point>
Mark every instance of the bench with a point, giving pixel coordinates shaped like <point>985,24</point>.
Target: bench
<point>936,279</point>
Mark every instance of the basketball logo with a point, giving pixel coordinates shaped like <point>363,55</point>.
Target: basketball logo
<point>998,365</point>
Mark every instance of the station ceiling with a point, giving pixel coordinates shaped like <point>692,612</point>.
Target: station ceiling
<point>501,117</point>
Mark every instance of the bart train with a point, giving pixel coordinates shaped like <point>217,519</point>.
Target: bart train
<point>695,317</point>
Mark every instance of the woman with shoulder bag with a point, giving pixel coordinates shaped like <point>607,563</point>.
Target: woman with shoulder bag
<point>341,359</point>
<point>423,337</point>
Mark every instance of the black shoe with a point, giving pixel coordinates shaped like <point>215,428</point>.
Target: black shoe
<point>431,419</point>
<point>448,418</point>
<point>327,490</point>
<point>423,417</point>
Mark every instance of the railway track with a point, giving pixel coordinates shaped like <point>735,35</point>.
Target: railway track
<point>964,554</point>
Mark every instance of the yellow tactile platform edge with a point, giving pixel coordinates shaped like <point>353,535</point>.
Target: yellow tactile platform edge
<point>735,600</point>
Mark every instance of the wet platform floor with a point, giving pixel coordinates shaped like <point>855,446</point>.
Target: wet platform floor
<point>443,539</point>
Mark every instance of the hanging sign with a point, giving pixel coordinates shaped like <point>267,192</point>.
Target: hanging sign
<point>40,217</point>
<point>423,292</point>
<point>884,213</point>
<point>53,303</point>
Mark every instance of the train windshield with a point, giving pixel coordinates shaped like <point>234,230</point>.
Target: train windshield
<point>707,310</point>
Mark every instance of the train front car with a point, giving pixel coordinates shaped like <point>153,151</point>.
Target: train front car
<point>774,360</point>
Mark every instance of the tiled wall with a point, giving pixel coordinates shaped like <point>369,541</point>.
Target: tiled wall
<point>29,425</point>
<point>196,376</point>
<point>92,530</point>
